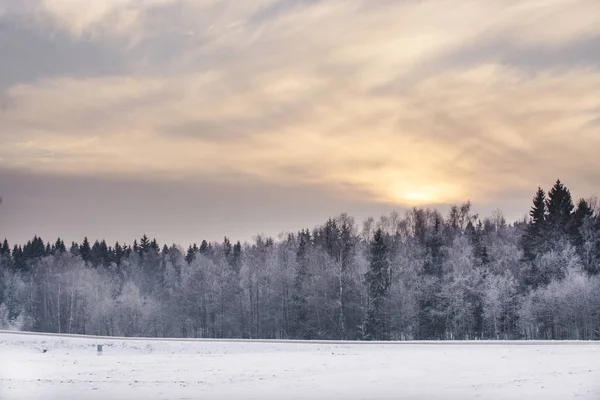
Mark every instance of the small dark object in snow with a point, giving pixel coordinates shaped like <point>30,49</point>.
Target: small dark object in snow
<point>44,350</point>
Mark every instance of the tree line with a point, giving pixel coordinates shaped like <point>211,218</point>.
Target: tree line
<point>421,275</point>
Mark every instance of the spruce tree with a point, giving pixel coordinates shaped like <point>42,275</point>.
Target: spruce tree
<point>560,207</point>
<point>378,279</point>
<point>110,257</point>
<point>237,256</point>
<point>204,247</point>
<point>34,248</point>
<point>582,212</point>
<point>104,252</point>
<point>19,258</point>
<point>227,249</point>
<point>301,327</point>
<point>191,253</point>
<point>5,249</point>
<point>85,250</point>
<point>119,253</point>
<point>144,244</point>
<point>533,239</point>
<point>96,254</point>
<point>59,246</point>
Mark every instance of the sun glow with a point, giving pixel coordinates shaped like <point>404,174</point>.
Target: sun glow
<point>424,194</point>
<point>418,197</point>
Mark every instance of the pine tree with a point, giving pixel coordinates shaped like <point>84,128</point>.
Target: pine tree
<point>85,250</point>
<point>5,249</point>
<point>582,212</point>
<point>378,279</point>
<point>129,250</point>
<point>227,249</point>
<point>191,253</point>
<point>237,256</point>
<point>96,254</point>
<point>59,246</point>
<point>301,327</point>
<point>110,256</point>
<point>19,258</point>
<point>204,247</point>
<point>34,249</point>
<point>560,207</point>
<point>533,239</point>
<point>144,244</point>
<point>119,253</point>
<point>104,253</point>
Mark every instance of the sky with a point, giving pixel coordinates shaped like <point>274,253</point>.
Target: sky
<point>199,119</point>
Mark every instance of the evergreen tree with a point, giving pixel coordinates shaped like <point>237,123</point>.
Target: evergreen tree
<point>560,207</point>
<point>533,239</point>
<point>227,251</point>
<point>74,249</point>
<point>378,279</point>
<point>129,250</point>
<point>301,328</point>
<point>204,247</point>
<point>434,244</point>
<point>34,249</point>
<point>19,259</point>
<point>119,253</point>
<point>430,319</point>
<point>582,212</point>
<point>104,253</point>
<point>96,256</point>
<point>475,235</point>
<point>85,250</point>
<point>59,246</point>
<point>144,244</point>
<point>191,253</point>
<point>5,249</point>
<point>237,256</point>
<point>110,256</point>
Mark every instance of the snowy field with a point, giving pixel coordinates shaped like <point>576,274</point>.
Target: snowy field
<point>47,367</point>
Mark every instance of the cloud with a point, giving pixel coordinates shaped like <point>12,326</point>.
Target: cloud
<point>106,17</point>
<point>360,94</point>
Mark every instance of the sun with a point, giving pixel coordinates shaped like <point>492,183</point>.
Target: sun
<point>418,197</point>
<point>420,194</point>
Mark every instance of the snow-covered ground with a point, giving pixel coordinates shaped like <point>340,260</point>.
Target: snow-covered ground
<point>176,369</point>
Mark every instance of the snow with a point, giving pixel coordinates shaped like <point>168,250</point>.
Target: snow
<point>212,369</point>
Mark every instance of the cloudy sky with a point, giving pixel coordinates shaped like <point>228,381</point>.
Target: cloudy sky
<point>192,119</point>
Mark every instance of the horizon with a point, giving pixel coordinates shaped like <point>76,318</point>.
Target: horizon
<point>443,210</point>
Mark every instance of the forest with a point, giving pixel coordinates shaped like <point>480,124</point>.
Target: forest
<point>420,275</point>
